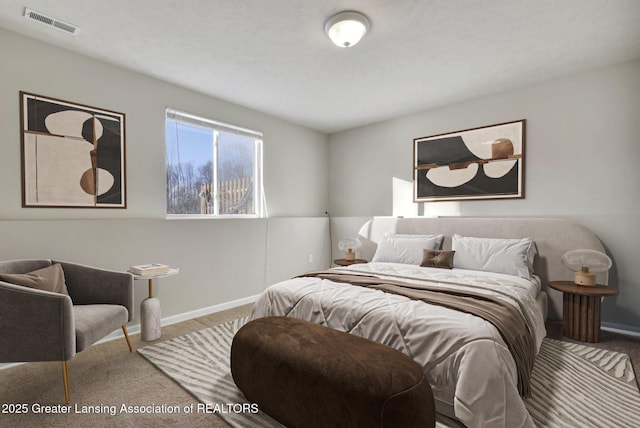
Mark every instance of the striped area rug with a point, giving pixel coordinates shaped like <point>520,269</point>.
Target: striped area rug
<point>581,386</point>
<point>573,385</point>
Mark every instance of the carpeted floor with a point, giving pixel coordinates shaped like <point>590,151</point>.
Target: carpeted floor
<point>108,375</point>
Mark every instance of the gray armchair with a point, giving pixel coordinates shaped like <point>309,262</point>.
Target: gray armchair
<point>37,325</point>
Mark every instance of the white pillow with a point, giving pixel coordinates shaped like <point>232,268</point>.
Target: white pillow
<point>510,256</point>
<point>407,249</point>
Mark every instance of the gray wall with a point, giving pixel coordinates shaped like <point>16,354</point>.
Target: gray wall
<point>220,260</point>
<point>582,152</point>
<point>581,162</point>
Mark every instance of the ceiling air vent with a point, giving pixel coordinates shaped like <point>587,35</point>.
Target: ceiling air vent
<point>50,21</point>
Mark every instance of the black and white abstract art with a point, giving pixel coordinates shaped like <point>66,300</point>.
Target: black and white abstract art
<point>72,155</point>
<point>478,163</point>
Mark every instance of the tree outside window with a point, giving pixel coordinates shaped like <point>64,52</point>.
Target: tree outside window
<point>213,169</point>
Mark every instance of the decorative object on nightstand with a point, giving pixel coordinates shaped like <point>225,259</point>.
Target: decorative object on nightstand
<point>586,264</point>
<point>349,247</point>
<point>150,315</point>
<point>581,309</point>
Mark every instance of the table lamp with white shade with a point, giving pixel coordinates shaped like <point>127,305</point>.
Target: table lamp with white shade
<point>586,264</point>
<point>349,247</point>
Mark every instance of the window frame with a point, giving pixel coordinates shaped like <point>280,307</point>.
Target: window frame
<point>216,127</point>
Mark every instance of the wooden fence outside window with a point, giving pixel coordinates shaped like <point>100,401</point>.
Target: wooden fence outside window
<point>234,197</point>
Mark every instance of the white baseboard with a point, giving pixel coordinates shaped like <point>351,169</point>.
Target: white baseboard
<point>9,365</point>
<point>174,319</point>
<point>210,310</point>
<point>621,329</point>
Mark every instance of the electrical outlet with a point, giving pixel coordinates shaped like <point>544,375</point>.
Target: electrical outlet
<point>310,258</point>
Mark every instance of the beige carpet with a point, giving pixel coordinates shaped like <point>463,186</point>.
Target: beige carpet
<point>107,375</point>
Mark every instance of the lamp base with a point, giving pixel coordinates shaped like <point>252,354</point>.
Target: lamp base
<point>350,255</point>
<point>585,278</point>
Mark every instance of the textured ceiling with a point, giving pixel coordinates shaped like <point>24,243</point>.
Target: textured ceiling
<point>273,55</point>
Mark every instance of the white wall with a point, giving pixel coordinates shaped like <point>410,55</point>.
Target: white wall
<point>220,260</point>
<point>581,161</point>
<point>295,157</point>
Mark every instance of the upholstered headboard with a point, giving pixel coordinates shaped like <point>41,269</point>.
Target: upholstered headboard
<point>552,236</point>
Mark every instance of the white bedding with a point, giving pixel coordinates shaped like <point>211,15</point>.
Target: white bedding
<point>471,371</point>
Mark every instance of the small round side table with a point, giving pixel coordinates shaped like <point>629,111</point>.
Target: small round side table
<point>150,315</point>
<point>345,262</point>
<point>581,309</point>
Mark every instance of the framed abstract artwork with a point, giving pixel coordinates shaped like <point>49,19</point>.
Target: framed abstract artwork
<point>478,163</point>
<point>73,155</point>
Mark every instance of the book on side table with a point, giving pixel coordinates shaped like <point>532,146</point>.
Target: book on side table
<point>149,269</point>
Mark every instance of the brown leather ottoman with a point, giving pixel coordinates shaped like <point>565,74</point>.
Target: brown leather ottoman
<point>306,375</point>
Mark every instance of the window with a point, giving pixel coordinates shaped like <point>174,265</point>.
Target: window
<point>213,169</point>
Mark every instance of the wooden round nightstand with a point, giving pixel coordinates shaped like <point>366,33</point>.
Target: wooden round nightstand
<point>581,309</point>
<point>344,262</point>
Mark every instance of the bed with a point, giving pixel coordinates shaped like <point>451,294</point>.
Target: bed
<point>444,314</point>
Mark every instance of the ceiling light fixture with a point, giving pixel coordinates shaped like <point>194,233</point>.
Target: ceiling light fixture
<point>347,28</point>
